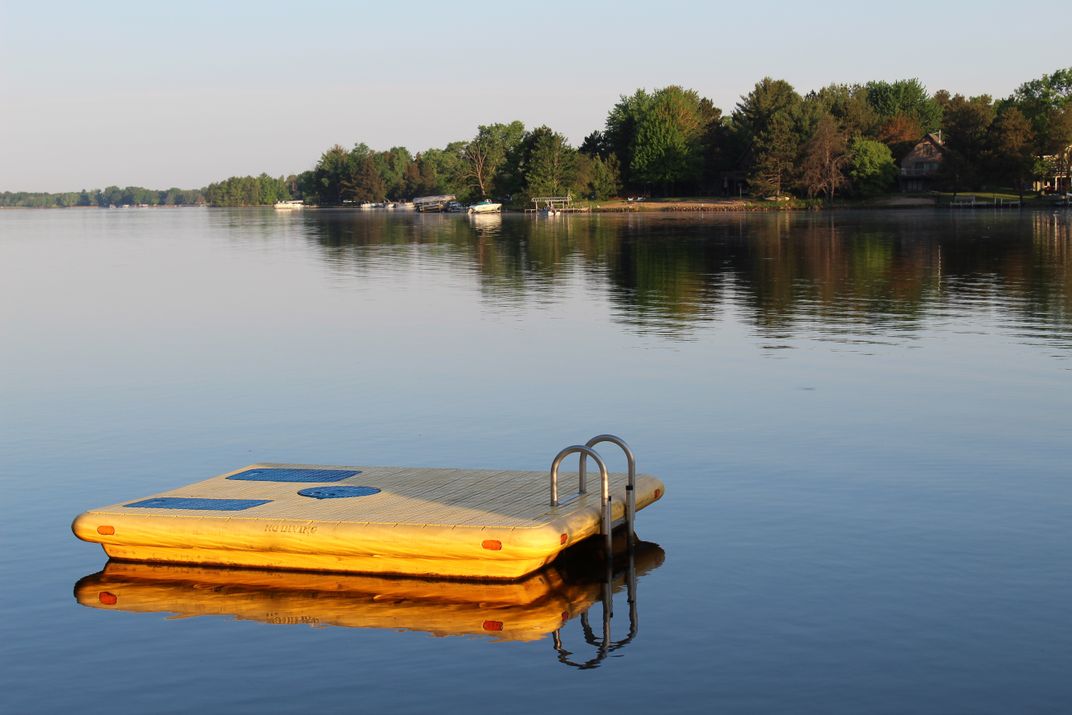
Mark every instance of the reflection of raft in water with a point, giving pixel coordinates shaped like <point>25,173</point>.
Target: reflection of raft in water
<point>420,522</point>
<point>515,611</point>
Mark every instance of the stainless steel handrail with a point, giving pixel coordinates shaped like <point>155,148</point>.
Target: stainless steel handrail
<point>630,488</point>
<point>604,488</point>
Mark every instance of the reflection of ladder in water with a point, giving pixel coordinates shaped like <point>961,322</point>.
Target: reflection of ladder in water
<point>605,646</point>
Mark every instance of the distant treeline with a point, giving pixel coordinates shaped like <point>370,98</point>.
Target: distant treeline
<point>248,191</point>
<point>103,198</point>
<point>839,140</point>
<point>235,191</point>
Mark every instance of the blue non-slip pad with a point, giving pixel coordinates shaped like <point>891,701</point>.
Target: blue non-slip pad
<point>197,504</point>
<point>293,475</point>
<point>338,492</point>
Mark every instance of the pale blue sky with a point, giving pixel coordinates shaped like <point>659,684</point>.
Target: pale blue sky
<point>186,93</point>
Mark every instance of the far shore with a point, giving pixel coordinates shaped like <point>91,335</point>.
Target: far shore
<point>646,205</point>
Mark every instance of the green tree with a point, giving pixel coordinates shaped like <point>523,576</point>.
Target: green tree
<point>411,179</point>
<point>661,138</point>
<point>595,144</point>
<point>425,180</point>
<point>848,105</point>
<point>669,146</point>
<point>541,164</point>
<point>306,187</point>
<point>1011,148</point>
<point>619,135</point>
<point>596,178</point>
<point>113,196</point>
<point>486,152</point>
<point>550,164</point>
<point>871,168</point>
<point>367,183</point>
<point>329,173</point>
<point>907,98</point>
<point>446,168</point>
<point>767,118</point>
<point>391,166</point>
<point>1045,102</point>
<point>966,127</point>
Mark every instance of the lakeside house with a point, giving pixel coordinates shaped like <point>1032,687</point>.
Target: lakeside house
<point>1057,173</point>
<point>920,166</point>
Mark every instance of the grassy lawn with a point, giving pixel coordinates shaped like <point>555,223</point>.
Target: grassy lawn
<point>946,197</point>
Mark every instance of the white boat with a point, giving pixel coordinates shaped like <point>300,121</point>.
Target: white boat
<point>289,205</point>
<point>487,206</point>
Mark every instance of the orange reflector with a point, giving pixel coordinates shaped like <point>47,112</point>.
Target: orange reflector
<point>563,539</point>
<point>658,493</point>
<point>493,625</point>
<point>492,545</point>
<point>106,530</point>
<point>108,599</point>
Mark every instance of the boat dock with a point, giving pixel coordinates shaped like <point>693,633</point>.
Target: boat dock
<point>972,202</point>
<point>555,205</point>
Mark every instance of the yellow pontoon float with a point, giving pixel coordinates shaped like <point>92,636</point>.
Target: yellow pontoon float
<point>456,523</point>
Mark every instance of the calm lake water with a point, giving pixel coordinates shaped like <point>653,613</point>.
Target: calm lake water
<point>864,422</point>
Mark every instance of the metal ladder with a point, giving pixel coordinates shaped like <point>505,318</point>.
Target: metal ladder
<point>586,450</point>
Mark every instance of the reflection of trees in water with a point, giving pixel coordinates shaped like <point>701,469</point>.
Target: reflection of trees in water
<point>1018,262</point>
<point>817,270</point>
<point>830,273</point>
<point>664,279</point>
<point>364,243</point>
<point>1049,296</point>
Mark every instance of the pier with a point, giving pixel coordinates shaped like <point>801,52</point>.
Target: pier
<point>555,205</point>
<point>972,202</point>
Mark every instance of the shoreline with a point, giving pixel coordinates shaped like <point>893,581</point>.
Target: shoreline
<point>663,206</point>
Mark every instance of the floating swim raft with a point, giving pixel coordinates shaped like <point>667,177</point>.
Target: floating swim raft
<point>455,523</point>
